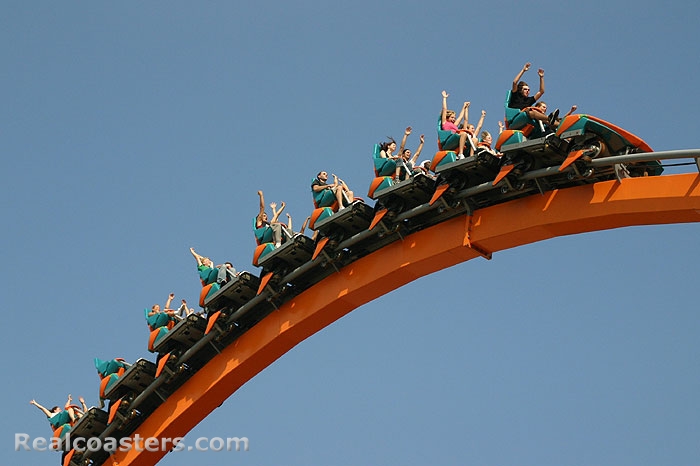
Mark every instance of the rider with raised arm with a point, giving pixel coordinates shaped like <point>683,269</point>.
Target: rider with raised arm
<point>210,273</point>
<point>261,221</point>
<point>57,416</point>
<point>472,131</point>
<point>405,169</point>
<point>449,121</point>
<point>521,99</point>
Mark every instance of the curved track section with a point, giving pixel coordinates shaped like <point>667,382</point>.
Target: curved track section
<point>601,206</point>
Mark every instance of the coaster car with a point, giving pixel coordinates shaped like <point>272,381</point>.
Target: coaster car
<point>329,220</point>
<point>176,342</point>
<point>159,324</point>
<point>125,401</point>
<point>341,224</point>
<point>61,423</point>
<point>402,195</point>
<point>234,294</point>
<point>262,234</point>
<point>335,227</point>
<point>109,372</point>
<point>382,166</point>
<point>291,254</point>
<point>455,175</point>
<point>394,198</point>
<point>268,256</point>
<point>182,336</point>
<point>209,275</point>
<point>133,380</point>
<point>598,138</point>
<point>91,424</point>
<point>578,139</point>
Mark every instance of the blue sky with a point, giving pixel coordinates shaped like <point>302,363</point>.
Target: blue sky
<point>131,132</point>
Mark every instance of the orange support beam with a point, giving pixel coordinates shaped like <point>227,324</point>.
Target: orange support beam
<point>505,170</point>
<point>438,192</point>
<point>319,247</point>
<point>602,206</point>
<point>573,156</point>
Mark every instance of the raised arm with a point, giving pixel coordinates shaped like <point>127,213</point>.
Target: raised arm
<point>168,301</point>
<point>414,159</point>
<point>443,117</point>
<point>406,133</point>
<point>276,213</point>
<point>69,407</point>
<point>196,256</point>
<point>477,130</point>
<point>463,114</point>
<point>262,207</point>
<point>518,76</point>
<point>539,94</point>
<point>573,109</point>
<point>44,410</point>
<point>303,226</point>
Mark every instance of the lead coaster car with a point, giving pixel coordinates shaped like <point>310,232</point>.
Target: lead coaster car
<point>599,138</point>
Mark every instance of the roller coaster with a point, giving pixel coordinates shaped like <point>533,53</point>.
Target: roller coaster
<point>588,175</point>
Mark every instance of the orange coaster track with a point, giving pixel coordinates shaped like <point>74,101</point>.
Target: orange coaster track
<point>600,206</point>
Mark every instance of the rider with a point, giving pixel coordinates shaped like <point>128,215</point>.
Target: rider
<point>521,99</point>
<point>277,228</point>
<point>210,273</point>
<point>325,195</point>
<point>449,121</point>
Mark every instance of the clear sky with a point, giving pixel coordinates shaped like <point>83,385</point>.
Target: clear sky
<point>133,130</point>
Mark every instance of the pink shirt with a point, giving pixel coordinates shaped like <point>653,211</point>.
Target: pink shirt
<point>449,126</point>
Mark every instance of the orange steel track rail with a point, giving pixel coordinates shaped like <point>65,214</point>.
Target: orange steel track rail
<point>601,206</point>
